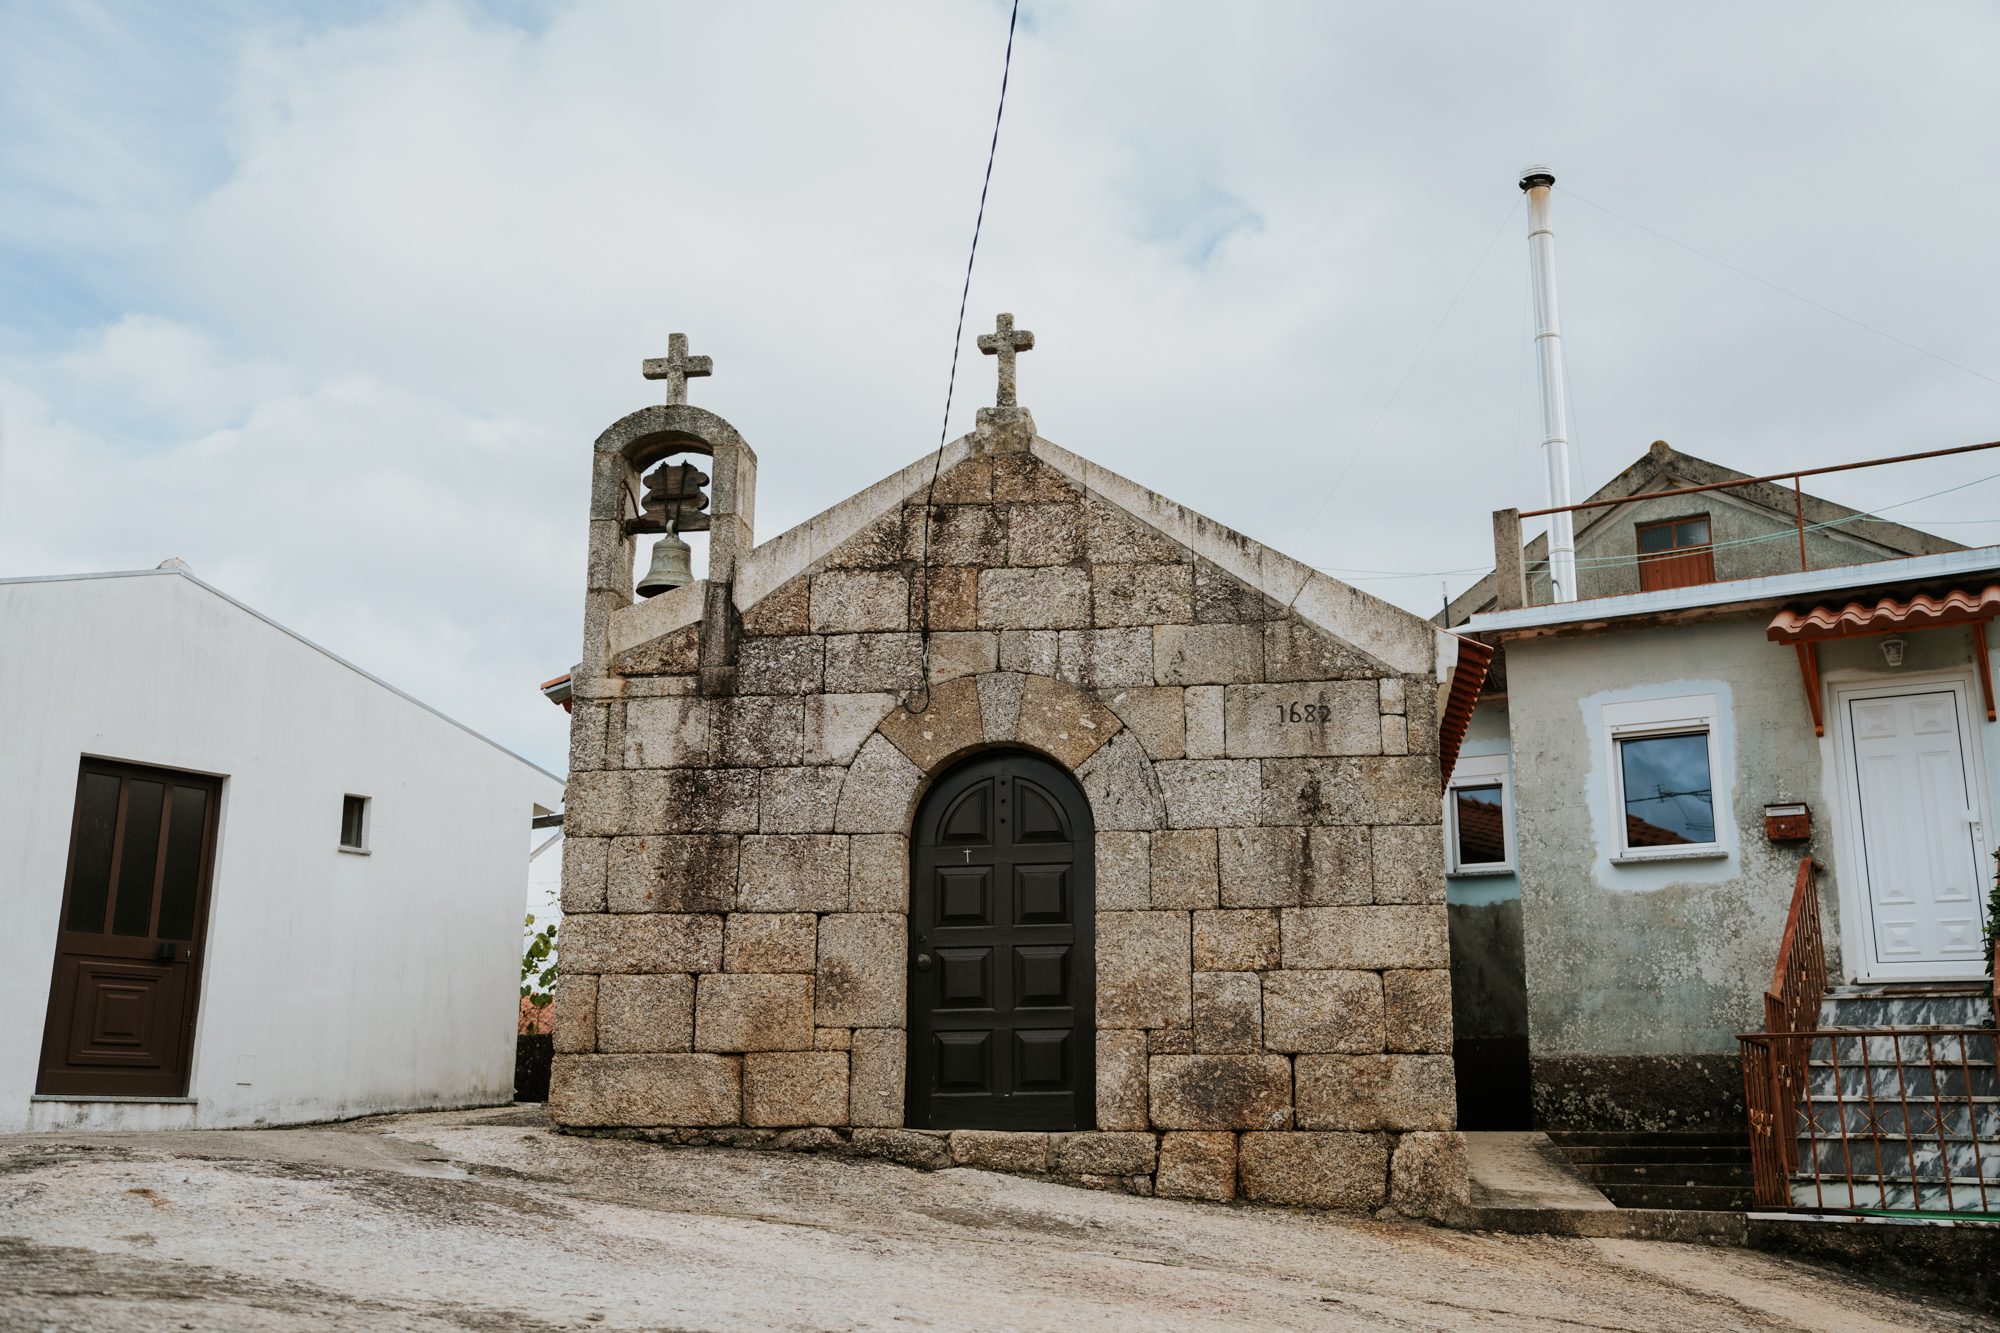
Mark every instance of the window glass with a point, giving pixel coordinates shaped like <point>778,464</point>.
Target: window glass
<point>186,823</point>
<point>1480,826</point>
<point>138,860</point>
<point>351,812</point>
<point>96,822</point>
<point>1669,800</point>
<point>1676,535</point>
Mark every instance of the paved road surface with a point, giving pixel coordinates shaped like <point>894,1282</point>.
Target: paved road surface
<point>483,1220</point>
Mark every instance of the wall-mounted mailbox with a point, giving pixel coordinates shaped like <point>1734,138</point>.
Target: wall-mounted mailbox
<point>1789,822</point>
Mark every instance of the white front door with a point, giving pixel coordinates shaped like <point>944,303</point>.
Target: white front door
<point>1921,871</point>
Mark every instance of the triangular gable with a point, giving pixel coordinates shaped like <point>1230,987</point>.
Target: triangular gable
<point>1662,467</point>
<point>1401,642</point>
<point>1348,633</point>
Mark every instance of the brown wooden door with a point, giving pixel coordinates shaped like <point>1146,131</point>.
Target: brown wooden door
<point>1002,979</point>
<point>129,943</point>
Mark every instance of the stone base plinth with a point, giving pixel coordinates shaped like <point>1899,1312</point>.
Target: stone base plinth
<point>1416,1175</point>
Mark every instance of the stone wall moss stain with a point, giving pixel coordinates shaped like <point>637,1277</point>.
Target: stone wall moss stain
<point>1067,626</point>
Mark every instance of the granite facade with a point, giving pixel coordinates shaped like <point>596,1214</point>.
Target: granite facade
<point>1272,1001</point>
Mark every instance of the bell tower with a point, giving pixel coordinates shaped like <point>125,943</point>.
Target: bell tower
<point>637,490</point>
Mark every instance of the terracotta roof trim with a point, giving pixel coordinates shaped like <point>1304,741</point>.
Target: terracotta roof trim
<point>1468,677</point>
<point>1959,606</point>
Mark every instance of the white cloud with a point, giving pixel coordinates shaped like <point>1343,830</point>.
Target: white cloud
<point>334,310</point>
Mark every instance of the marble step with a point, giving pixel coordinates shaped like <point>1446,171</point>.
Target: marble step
<point>1942,1006</point>
<point>1930,1198</point>
<point>1915,1045</point>
<point>1946,1083</point>
<point>1965,1120</point>
<point>1899,1159</point>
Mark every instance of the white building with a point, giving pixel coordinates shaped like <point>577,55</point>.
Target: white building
<point>246,882</point>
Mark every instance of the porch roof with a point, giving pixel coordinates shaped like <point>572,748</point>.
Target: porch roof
<point>1959,607</point>
<point>1887,615</point>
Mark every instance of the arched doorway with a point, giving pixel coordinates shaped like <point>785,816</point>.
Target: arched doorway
<point>1002,959</point>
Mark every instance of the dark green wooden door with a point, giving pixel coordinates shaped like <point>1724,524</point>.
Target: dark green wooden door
<point>1002,980</point>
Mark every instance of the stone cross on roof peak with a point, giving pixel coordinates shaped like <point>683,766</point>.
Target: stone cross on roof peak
<point>677,368</point>
<point>1004,342</point>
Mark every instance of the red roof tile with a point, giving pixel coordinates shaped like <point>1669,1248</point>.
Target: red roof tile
<point>1960,606</point>
<point>1468,676</point>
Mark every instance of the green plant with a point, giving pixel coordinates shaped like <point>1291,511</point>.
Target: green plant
<point>1993,915</point>
<point>538,963</point>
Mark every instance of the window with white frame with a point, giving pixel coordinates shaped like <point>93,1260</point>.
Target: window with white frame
<point>1479,817</point>
<point>1663,767</point>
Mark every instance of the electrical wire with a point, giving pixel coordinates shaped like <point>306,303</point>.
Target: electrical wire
<point>1784,291</point>
<point>1355,453</point>
<point>1607,561</point>
<point>951,384</point>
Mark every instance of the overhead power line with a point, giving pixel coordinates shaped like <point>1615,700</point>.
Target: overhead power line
<point>1397,392</point>
<point>1781,290</point>
<point>951,382</point>
<point>1604,561</point>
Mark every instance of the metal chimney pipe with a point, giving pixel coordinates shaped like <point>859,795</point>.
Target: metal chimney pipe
<point>1537,182</point>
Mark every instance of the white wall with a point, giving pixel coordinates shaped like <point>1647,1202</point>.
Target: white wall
<point>352,984</point>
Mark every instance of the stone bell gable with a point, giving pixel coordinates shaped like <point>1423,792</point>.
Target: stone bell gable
<point>1223,972</point>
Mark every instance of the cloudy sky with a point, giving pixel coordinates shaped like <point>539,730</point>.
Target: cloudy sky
<point>330,300</point>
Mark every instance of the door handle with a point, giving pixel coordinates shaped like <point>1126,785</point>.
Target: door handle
<point>923,962</point>
<point>165,953</point>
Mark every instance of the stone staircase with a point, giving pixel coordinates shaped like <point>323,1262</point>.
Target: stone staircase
<point>1690,1171</point>
<point>1938,1005</point>
<point>1881,1108</point>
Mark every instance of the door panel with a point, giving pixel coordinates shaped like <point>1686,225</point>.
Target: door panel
<point>1920,857</point>
<point>128,953</point>
<point>123,1015</point>
<point>1002,981</point>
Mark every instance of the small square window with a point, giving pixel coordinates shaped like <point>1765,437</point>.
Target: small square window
<point>1678,553</point>
<point>354,823</point>
<point>1479,838</point>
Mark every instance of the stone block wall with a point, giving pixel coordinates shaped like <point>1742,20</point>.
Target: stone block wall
<point>1272,993</point>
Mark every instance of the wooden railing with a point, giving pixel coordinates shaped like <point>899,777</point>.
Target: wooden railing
<point>1774,1075</point>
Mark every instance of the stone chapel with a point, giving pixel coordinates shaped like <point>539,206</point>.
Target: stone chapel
<point>1006,814</point>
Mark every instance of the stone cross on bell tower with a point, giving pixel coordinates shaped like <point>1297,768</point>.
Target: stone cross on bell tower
<point>1004,342</point>
<point>677,368</point>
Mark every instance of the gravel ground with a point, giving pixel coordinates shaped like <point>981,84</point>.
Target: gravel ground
<point>485,1220</point>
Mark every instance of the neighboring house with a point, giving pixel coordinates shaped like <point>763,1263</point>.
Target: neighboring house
<point>246,882</point>
<point>1621,853</point>
<point>1138,884</point>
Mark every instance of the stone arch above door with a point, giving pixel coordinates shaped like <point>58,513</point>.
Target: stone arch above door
<point>908,750</point>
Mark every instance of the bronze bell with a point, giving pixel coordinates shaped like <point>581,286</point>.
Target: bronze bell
<point>671,567</point>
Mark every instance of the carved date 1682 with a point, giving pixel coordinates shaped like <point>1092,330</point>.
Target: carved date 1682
<point>1304,712</point>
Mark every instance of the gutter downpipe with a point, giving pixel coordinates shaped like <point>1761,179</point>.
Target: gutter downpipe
<point>1537,182</point>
